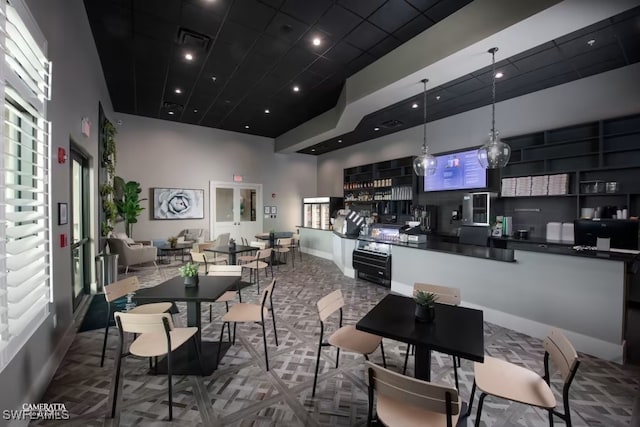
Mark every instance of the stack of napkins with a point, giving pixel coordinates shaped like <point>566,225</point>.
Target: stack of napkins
<point>539,185</point>
<point>508,187</point>
<point>523,186</point>
<point>558,184</point>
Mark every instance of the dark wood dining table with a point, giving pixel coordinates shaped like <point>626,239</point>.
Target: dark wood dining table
<point>272,238</point>
<point>209,289</point>
<point>232,254</point>
<point>456,330</point>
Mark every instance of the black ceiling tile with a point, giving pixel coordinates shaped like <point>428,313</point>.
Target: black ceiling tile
<point>531,51</point>
<point>116,24</point>
<point>298,59</point>
<point>338,21</point>
<point>359,63</point>
<point>170,10</point>
<point>286,28</point>
<point>508,71</point>
<point>255,67</point>
<point>309,80</point>
<point>276,4</point>
<point>412,28</point>
<point>218,7</point>
<point>601,67</point>
<point>464,86</point>
<point>385,46</point>
<point>201,21</point>
<point>422,5</point>
<point>393,15</point>
<point>365,35</point>
<point>580,45</point>
<point>306,42</point>
<point>251,13</point>
<point>306,11</point>
<point>596,55</point>
<point>631,46</point>
<point>323,66</point>
<point>343,52</point>
<point>271,47</point>
<point>153,27</point>
<point>445,8</point>
<point>362,8</point>
<point>538,60</point>
<point>241,38</point>
<point>627,27</point>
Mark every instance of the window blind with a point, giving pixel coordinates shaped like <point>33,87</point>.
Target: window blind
<point>25,75</point>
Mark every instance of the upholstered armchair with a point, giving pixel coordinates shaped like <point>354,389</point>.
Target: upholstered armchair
<point>191,235</point>
<point>132,254</point>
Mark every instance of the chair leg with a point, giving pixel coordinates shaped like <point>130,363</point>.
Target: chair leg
<point>338,356</point>
<point>455,372</point>
<point>406,359</point>
<point>234,333</point>
<point>210,314</point>
<point>115,385</point>
<point>551,418</point>
<point>170,385</point>
<point>126,270</point>
<point>384,360</point>
<point>226,303</point>
<point>480,402</point>
<point>293,260</point>
<point>315,377</point>
<point>264,338</point>
<point>258,278</point>
<point>473,392</point>
<point>275,331</point>
<point>106,334</point>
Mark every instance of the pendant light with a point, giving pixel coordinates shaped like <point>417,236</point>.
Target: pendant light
<point>425,163</point>
<point>494,154</point>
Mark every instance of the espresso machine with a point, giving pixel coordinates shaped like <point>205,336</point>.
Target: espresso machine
<point>427,216</point>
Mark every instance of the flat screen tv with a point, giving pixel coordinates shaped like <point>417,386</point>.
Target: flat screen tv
<point>457,171</point>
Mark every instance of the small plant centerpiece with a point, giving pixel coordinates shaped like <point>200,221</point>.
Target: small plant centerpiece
<point>425,306</point>
<point>232,244</point>
<point>173,241</point>
<point>190,273</point>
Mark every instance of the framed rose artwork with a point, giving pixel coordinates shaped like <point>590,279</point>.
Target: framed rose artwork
<point>178,203</point>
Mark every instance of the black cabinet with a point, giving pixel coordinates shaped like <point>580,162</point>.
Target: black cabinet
<point>372,262</point>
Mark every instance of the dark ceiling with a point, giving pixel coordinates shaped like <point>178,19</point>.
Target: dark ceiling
<point>247,55</point>
<point>616,43</point>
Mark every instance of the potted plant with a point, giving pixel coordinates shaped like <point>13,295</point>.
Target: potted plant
<point>425,306</point>
<point>127,200</point>
<point>190,273</point>
<point>173,241</point>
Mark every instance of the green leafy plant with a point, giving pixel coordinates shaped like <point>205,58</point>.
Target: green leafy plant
<point>188,270</point>
<point>425,299</point>
<point>127,199</point>
<point>172,241</point>
<point>106,189</point>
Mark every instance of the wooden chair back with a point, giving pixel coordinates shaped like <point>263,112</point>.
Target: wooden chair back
<point>415,392</point>
<point>225,270</point>
<point>329,304</point>
<point>268,292</point>
<point>285,242</point>
<point>259,245</point>
<point>138,323</point>
<point>121,288</point>
<point>446,295</point>
<point>264,254</point>
<point>200,247</point>
<point>198,257</point>
<point>562,353</point>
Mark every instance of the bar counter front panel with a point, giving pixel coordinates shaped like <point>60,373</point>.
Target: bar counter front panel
<point>583,295</point>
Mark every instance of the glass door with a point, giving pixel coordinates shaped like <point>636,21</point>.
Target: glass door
<point>236,209</point>
<point>81,273</point>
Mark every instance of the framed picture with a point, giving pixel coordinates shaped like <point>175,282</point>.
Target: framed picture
<point>274,210</point>
<point>267,210</point>
<point>178,203</point>
<point>63,214</point>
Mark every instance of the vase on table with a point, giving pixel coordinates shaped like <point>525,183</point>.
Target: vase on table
<point>191,281</point>
<point>424,313</point>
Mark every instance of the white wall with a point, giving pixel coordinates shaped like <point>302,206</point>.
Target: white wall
<point>159,153</point>
<point>611,94</point>
<point>78,84</point>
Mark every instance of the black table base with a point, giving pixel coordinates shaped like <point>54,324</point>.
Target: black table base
<point>185,361</point>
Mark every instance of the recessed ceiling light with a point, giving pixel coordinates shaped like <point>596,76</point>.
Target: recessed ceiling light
<point>246,126</point>
<point>313,150</point>
<point>438,98</point>
<point>499,74</point>
<point>296,88</point>
<point>376,129</point>
<point>316,41</point>
<point>195,110</point>
<point>267,111</point>
<point>591,42</point>
<point>214,78</point>
<point>339,140</point>
<point>178,90</point>
<point>414,105</point>
<point>188,56</point>
<point>171,113</point>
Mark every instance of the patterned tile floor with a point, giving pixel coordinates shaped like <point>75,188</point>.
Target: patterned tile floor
<point>242,393</point>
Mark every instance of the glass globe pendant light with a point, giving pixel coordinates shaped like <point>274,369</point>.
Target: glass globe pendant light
<point>425,163</point>
<point>495,153</point>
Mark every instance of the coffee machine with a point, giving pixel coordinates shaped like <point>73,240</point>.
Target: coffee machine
<point>427,216</point>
